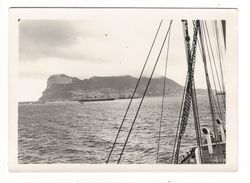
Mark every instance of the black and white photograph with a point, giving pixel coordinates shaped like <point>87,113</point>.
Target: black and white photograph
<point>127,86</point>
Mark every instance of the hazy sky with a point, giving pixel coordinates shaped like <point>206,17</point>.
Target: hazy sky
<point>96,46</point>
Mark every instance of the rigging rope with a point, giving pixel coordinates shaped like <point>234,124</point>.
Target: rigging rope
<point>217,105</point>
<point>137,112</point>
<point>137,84</point>
<point>220,59</point>
<point>215,66</point>
<point>188,94</point>
<point>197,121</point>
<point>208,84</point>
<point>210,95</point>
<point>213,79</point>
<point>196,118</point>
<point>162,103</point>
<point>179,119</point>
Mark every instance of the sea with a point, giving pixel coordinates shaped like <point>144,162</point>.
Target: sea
<point>83,133</point>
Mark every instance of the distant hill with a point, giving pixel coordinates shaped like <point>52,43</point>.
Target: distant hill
<point>62,87</point>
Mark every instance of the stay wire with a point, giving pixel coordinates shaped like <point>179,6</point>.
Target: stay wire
<point>215,103</point>
<point>202,51</point>
<point>213,57</point>
<point>219,58</point>
<point>196,116</point>
<point>191,57</point>
<point>211,67</point>
<point>210,94</point>
<point>179,119</point>
<point>163,97</point>
<point>180,115</point>
<point>132,97</point>
<point>197,122</point>
<point>137,112</point>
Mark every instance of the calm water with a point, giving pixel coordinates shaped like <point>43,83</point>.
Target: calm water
<point>70,132</point>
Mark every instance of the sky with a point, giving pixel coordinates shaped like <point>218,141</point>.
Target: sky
<point>108,45</point>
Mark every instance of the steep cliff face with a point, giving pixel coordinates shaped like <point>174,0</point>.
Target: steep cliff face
<point>58,79</point>
<point>62,87</point>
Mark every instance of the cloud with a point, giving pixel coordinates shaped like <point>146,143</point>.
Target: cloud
<point>111,46</point>
<point>82,40</point>
<point>49,38</point>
